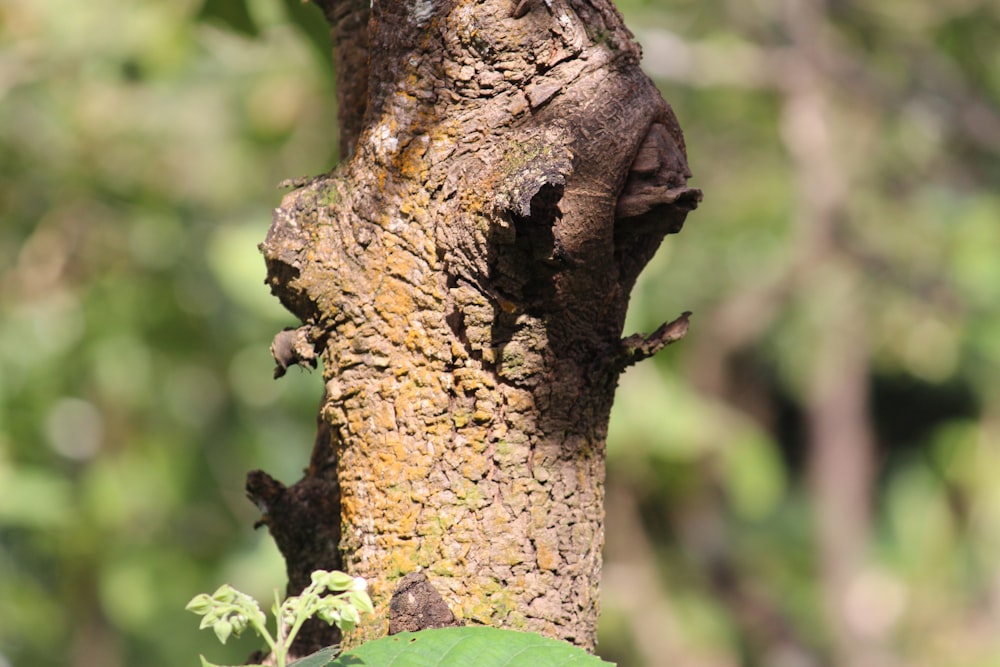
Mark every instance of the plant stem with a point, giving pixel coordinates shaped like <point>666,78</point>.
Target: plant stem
<point>306,607</point>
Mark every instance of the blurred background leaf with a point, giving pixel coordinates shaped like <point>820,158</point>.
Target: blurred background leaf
<point>801,480</point>
<point>140,147</point>
<point>233,14</point>
<point>806,479</point>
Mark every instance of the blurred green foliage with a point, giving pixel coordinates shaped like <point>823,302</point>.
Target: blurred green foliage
<point>139,152</point>
<point>140,144</point>
<point>850,158</point>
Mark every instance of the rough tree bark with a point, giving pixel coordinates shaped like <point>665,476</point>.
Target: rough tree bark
<point>464,276</point>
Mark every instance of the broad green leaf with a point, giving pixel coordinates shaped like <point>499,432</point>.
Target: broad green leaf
<point>320,658</point>
<point>461,647</point>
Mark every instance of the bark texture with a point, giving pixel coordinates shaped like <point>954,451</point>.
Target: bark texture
<point>464,277</point>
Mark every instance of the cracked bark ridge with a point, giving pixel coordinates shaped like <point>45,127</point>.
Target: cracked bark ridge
<point>416,605</point>
<point>469,269</point>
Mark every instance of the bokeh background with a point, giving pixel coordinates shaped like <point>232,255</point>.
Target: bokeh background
<point>808,479</point>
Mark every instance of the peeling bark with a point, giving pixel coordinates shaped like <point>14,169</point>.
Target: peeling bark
<point>465,277</point>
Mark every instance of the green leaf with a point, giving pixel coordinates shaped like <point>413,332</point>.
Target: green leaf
<point>339,581</point>
<point>320,658</point>
<point>329,614</point>
<point>199,604</point>
<point>349,614</point>
<point>223,629</point>
<point>239,622</point>
<point>234,14</point>
<point>309,19</point>
<point>361,600</point>
<point>460,647</point>
<point>256,617</point>
<point>206,663</point>
<point>224,593</point>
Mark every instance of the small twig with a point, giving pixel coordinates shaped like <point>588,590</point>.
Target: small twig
<point>637,347</point>
<point>300,182</point>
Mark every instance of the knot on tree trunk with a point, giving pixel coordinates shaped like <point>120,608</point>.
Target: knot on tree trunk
<point>416,605</point>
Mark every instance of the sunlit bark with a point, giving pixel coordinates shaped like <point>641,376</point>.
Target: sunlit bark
<point>464,277</point>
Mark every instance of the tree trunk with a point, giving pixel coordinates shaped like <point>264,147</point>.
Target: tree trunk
<point>464,277</point>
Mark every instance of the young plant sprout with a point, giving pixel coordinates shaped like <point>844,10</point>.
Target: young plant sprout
<point>336,597</point>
